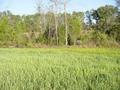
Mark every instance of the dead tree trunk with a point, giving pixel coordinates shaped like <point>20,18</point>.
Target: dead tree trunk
<point>66,27</point>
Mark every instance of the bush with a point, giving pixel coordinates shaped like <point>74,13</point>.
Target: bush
<point>99,38</point>
<point>96,39</point>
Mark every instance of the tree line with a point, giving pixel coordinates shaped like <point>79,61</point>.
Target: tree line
<point>56,27</point>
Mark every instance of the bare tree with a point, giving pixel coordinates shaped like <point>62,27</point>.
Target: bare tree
<point>50,22</point>
<point>66,27</point>
<point>56,4</point>
<point>40,9</point>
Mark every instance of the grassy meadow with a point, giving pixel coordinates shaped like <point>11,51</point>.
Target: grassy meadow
<point>60,69</point>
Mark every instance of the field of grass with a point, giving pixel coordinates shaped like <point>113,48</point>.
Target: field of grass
<point>60,69</point>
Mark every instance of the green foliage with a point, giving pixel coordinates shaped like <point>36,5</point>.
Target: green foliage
<point>62,35</point>
<point>3,28</point>
<point>102,26</point>
<point>75,25</point>
<point>99,38</point>
<point>105,17</point>
<point>96,39</point>
<point>115,32</point>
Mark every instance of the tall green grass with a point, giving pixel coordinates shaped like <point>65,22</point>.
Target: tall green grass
<point>60,69</point>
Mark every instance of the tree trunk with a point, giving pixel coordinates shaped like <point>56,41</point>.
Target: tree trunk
<point>56,24</point>
<point>66,27</point>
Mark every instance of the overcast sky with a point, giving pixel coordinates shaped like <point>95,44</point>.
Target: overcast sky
<point>29,6</point>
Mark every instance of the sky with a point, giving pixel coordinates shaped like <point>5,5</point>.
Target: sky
<point>29,6</point>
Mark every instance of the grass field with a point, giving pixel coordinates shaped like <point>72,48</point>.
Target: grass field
<point>60,69</point>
